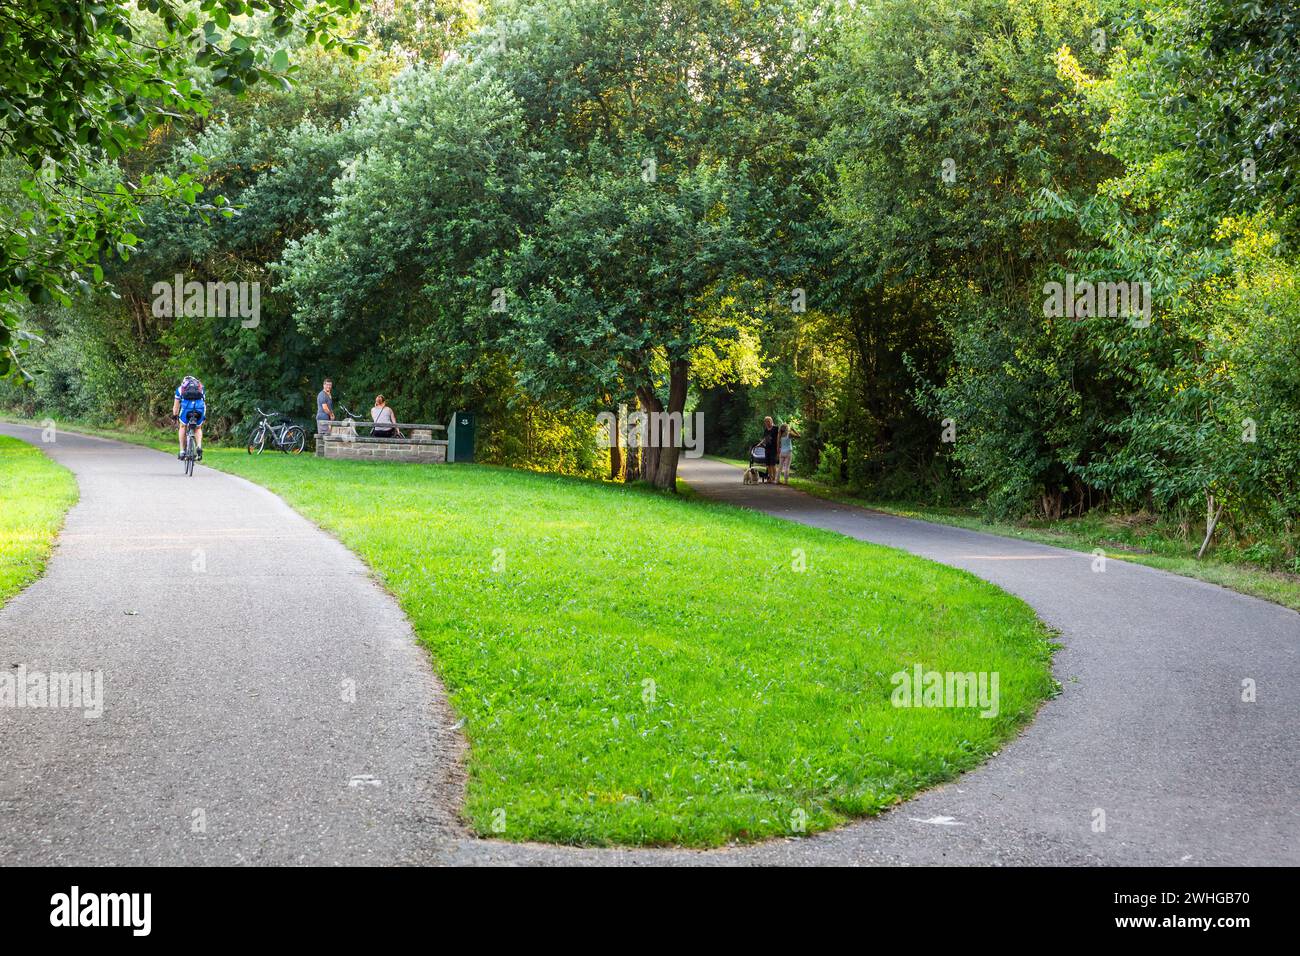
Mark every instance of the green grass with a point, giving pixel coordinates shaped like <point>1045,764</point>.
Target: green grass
<point>548,603</point>
<point>35,494</point>
<point>1124,537</point>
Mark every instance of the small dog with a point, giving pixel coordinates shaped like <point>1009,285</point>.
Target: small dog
<point>753,475</point>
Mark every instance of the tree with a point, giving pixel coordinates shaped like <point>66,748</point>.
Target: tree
<point>946,122</point>
<point>620,285</point>
<point>1201,205</point>
<point>664,132</point>
<point>1230,72</point>
<point>84,83</point>
<point>403,265</point>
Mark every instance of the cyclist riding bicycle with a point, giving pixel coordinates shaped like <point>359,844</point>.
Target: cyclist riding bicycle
<point>189,398</point>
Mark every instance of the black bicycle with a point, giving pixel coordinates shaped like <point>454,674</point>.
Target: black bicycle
<point>288,438</point>
<point>191,446</point>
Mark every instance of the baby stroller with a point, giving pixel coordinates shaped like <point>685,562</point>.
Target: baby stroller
<point>756,470</point>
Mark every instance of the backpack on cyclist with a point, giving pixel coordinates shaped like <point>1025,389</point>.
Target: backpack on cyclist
<point>191,389</point>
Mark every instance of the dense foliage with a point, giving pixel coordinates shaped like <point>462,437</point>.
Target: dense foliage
<point>84,83</point>
<point>857,217</point>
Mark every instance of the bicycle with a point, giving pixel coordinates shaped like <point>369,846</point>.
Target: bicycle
<point>290,439</point>
<point>191,448</point>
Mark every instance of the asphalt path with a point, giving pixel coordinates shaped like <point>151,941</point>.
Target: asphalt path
<point>264,700</point>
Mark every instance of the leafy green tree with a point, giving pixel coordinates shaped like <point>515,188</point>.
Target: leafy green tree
<point>946,122</point>
<point>84,83</point>
<point>1200,208</point>
<point>1226,74</point>
<point>667,137</point>
<point>272,154</point>
<point>433,193</point>
<point>625,275</point>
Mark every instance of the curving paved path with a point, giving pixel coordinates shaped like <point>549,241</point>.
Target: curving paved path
<point>225,626</point>
<point>240,713</point>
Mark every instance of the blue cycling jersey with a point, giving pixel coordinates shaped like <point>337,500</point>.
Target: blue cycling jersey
<point>191,405</point>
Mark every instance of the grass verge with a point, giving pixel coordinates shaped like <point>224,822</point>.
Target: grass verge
<point>35,494</point>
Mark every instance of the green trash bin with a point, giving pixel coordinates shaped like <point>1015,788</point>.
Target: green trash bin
<point>460,437</point>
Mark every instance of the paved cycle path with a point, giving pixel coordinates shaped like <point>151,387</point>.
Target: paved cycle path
<point>1150,728</point>
<point>264,701</point>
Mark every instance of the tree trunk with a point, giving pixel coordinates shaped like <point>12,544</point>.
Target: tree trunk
<point>651,405</point>
<point>615,454</point>
<point>1211,520</point>
<point>665,475</point>
<point>634,463</point>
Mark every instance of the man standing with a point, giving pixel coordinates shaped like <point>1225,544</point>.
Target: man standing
<point>325,403</point>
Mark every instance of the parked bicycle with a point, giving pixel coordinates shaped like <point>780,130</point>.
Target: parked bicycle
<point>287,437</point>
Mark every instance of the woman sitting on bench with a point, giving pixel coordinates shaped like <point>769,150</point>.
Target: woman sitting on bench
<point>383,413</point>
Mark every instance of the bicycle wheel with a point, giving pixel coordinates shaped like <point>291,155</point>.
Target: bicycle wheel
<point>257,441</point>
<point>295,440</point>
<point>189,454</point>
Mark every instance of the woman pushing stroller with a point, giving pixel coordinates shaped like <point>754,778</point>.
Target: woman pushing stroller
<point>778,450</point>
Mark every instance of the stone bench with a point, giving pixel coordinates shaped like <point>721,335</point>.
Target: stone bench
<point>350,440</point>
